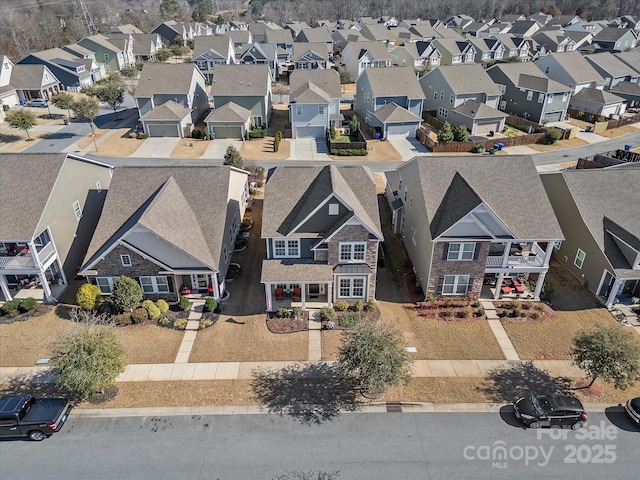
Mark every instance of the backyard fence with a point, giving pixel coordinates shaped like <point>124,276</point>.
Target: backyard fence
<point>471,146</point>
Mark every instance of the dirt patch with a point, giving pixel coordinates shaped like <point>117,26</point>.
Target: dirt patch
<point>619,132</point>
<point>283,325</point>
<point>378,151</point>
<point>262,149</point>
<point>562,144</point>
<point>189,148</point>
<point>119,144</point>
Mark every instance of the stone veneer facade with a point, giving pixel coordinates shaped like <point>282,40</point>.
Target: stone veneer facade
<point>355,233</point>
<point>475,268</point>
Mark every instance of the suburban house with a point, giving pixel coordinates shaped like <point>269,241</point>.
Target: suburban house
<point>170,98</point>
<point>261,53</point>
<point>114,58</point>
<point>377,32</point>
<point>615,39</point>
<point>342,37</point>
<point>316,35</point>
<point>49,206</point>
<point>296,28</point>
<point>246,85</point>
<point>629,91</point>
<point>554,41</point>
<point>145,46</point>
<point>465,234</point>
<point>322,230</point>
<point>524,28</point>
<point>172,229</point>
<point>25,82</point>
<point>240,37</point>
<point>358,56</point>
<point>309,56</point>
<point>463,94</point>
<point>212,50</point>
<point>487,49</point>
<point>571,69</point>
<point>429,53</point>
<point>170,30</point>
<point>599,211</point>
<point>281,37</point>
<point>229,121</point>
<point>454,51</point>
<point>613,69</point>
<point>314,102</point>
<point>72,71</point>
<point>407,55</point>
<point>514,47</point>
<point>390,100</point>
<point>600,102</point>
<point>529,93</point>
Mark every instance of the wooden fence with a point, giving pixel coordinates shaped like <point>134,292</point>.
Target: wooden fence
<point>471,146</point>
<point>433,121</point>
<point>360,144</point>
<point>524,125</point>
<point>593,118</point>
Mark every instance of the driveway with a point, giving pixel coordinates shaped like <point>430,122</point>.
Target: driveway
<point>408,147</point>
<point>217,148</point>
<point>308,149</point>
<point>157,147</point>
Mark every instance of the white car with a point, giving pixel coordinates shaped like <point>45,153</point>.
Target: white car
<point>39,102</point>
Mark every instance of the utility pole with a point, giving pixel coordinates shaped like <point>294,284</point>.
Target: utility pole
<point>91,28</point>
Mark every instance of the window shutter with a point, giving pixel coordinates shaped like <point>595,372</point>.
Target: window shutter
<point>470,284</point>
<point>476,250</point>
<point>440,285</point>
<point>445,250</point>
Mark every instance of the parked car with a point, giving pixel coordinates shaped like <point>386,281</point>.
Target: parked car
<point>632,407</point>
<point>39,102</point>
<point>550,410</point>
<point>36,418</point>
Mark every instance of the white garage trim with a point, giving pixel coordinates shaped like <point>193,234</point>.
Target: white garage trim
<point>314,131</point>
<point>158,130</point>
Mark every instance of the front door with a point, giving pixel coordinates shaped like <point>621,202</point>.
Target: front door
<point>199,282</point>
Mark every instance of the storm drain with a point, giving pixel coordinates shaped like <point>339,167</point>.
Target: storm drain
<point>394,407</point>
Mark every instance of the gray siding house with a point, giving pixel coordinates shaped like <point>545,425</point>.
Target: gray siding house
<point>599,211</point>
<point>571,69</point>
<point>114,55</point>
<point>170,228</point>
<point>463,234</point>
<point>210,51</point>
<point>322,230</point>
<point>314,102</point>
<point>49,206</point>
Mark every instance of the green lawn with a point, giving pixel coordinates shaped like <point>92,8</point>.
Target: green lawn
<point>344,139</point>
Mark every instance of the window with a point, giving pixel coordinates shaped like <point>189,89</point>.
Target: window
<point>299,110</point>
<point>126,260</point>
<point>452,97</point>
<point>579,261</point>
<point>529,95</point>
<point>154,284</point>
<point>503,105</point>
<point>461,251</point>
<point>320,109</point>
<point>351,287</point>
<point>550,98</point>
<point>565,96</point>
<point>106,57</point>
<point>541,98</point>
<point>557,244</point>
<point>350,252</point>
<point>442,95</point>
<point>334,209</point>
<point>286,248</point>
<point>435,95</point>
<point>443,112</point>
<point>455,284</point>
<point>105,284</point>
<point>77,210</point>
<point>98,187</point>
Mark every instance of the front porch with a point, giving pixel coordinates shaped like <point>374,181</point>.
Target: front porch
<point>34,290</point>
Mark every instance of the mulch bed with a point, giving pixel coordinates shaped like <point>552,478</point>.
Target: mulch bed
<point>528,311</point>
<point>287,325</point>
<point>451,309</point>
<point>40,309</point>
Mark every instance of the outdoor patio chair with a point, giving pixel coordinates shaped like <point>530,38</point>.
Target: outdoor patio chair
<point>517,286</point>
<point>505,288</point>
<point>297,294</point>
<point>279,294</point>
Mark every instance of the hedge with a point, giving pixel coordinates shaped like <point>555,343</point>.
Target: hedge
<point>256,133</point>
<point>350,152</point>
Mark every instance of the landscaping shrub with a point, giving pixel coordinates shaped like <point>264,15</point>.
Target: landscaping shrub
<point>465,312</point>
<point>204,323</point>
<point>127,293</point>
<point>27,304</point>
<point>332,132</point>
<point>475,304</point>
<point>139,315</point>
<point>142,136</point>
<point>210,304</point>
<point>461,134</point>
<point>446,302</point>
<point>480,313</point>
<point>539,307</point>
<point>359,305</point>
<point>515,304</point>
<point>552,136</point>
<point>371,305</point>
<point>152,310</point>
<point>10,306</point>
<point>123,319</point>
<point>164,320</point>
<point>350,320</point>
<point>88,296</point>
<point>515,313</point>
<point>196,134</point>
<point>184,303</point>
<point>479,149</point>
<point>342,306</point>
<point>106,308</point>
<point>296,312</point>
<point>527,305</point>
<point>536,315</point>
<point>330,325</point>
<point>162,305</point>
<point>445,134</point>
<point>447,313</point>
<point>256,133</point>
<point>327,314</point>
<point>350,152</point>
<point>283,312</point>
<point>180,324</point>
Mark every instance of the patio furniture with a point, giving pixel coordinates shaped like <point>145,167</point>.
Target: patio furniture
<point>504,288</point>
<point>279,294</point>
<point>517,286</point>
<point>185,290</point>
<point>297,294</point>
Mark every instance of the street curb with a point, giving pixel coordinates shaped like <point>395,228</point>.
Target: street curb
<point>391,407</point>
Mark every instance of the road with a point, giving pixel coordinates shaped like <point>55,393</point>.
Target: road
<point>358,445</point>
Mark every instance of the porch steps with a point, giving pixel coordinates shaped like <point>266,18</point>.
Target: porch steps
<point>499,332</point>
<point>315,335</point>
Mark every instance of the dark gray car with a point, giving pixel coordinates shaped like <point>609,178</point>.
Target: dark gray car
<point>551,410</point>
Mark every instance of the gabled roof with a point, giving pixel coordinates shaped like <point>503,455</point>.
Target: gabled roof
<point>608,199</point>
<point>377,50</point>
<point>102,41</point>
<point>508,40</point>
<point>30,77</point>
<point>576,66</point>
<point>631,58</point>
<point>452,187</point>
<point>378,31</point>
<point>127,28</point>
<point>527,75</point>
<point>238,36</point>
<point>241,80</point>
<point>229,112</point>
<point>594,95</point>
<point>169,110</point>
<point>293,193</point>
<point>266,51</point>
<point>393,81</point>
<point>315,35</point>
<point>612,64</point>
<point>309,93</point>
<point>186,206</point>
<point>466,78</point>
<point>278,36</point>
<point>627,88</point>
<point>166,78</point>
<point>453,45</point>
<point>393,113</point>
<point>610,34</point>
<point>142,42</point>
<point>326,79</point>
<point>478,110</point>
<point>215,43</point>
<point>302,48</point>
<point>521,27</point>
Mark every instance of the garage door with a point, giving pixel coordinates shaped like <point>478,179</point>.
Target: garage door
<point>487,127</point>
<point>553,117</point>
<point>309,132</point>
<point>400,130</point>
<point>227,131</point>
<point>165,130</point>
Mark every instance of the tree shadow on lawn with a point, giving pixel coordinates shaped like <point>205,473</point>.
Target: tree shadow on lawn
<point>9,138</point>
<point>40,385</point>
<point>312,394</point>
<point>519,380</point>
<point>58,136</point>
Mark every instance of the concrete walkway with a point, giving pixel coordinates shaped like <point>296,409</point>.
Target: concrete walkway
<point>499,331</point>
<point>315,335</point>
<point>193,325</point>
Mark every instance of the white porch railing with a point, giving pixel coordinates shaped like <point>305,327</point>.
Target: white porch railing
<point>17,262</point>
<point>515,261</point>
<point>46,253</point>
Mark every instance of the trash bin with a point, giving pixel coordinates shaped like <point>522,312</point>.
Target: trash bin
<point>22,101</point>
<point>500,146</point>
<point>377,135</point>
<point>627,148</point>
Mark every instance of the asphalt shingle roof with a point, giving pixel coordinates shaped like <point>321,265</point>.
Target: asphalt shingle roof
<point>241,80</point>
<point>229,112</point>
<point>575,65</point>
<point>326,79</point>
<point>597,96</point>
<point>393,113</point>
<point>527,75</point>
<point>285,271</point>
<point>394,81</point>
<point>30,77</point>
<point>479,110</point>
<point>467,78</point>
<point>216,43</point>
<point>168,78</point>
<point>611,64</point>
<point>169,110</point>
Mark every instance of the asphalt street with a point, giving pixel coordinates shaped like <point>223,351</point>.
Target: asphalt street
<point>359,446</point>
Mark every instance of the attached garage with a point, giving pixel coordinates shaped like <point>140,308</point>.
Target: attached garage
<point>484,128</point>
<point>401,130</point>
<point>163,130</point>
<point>310,132</point>
<point>552,117</point>
<point>228,131</point>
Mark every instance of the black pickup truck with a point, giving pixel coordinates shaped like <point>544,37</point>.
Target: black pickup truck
<point>36,418</point>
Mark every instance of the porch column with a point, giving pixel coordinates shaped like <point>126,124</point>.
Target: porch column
<point>61,271</point>
<point>614,291</point>
<point>604,275</point>
<point>45,286</point>
<point>267,291</point>
<point>496,295</point>
<point>547,254</point>
<point>329,294</point>
<point>303,292</point>
<point>539,283</point>
<point>505,257</point>
<point>5,288</point>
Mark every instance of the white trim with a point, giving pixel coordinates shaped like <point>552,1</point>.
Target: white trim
<point>109,281</point>
<point>154,284</point>
<point>320,205</point>
<point>127,257</point>
<point>355,220</point>
<point>286,247</point>
<point>364,279</point>
<point>575,260</point>
<point>456,283</point>
<point>352,246</point>
<point>461,252</point>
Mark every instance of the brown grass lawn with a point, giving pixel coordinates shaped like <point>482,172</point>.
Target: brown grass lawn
<point>572,142</point>
<point>381,151</point>
<point>247,339</point>
<point>189,148</point>
<point>150,343</point>
<point>576,309</point>
<point>262,149</point>
<point>119,144</point>
<point>618,132</point>
<point>331,341</point>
